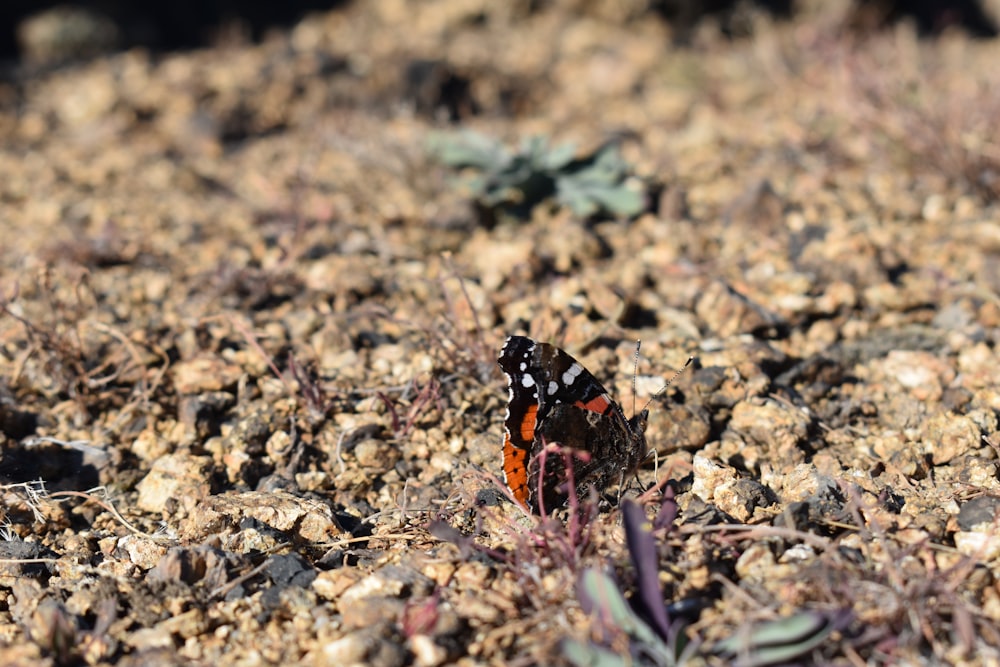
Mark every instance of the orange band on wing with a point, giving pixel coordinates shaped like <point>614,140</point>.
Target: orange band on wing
<point>528,423</point>
<point>515,470</point>
<point>602,404</point>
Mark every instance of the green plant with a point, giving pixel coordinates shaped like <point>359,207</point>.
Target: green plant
<point>513,183</point>
<point>655,639</point>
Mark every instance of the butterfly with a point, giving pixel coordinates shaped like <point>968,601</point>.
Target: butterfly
<point>552,399</point>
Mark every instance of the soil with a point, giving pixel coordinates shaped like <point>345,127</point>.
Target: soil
<point>250,411</point>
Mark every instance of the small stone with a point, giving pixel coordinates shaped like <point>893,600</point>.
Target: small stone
<point>978,513</point>
<point>331,584</point>
<point>172,477</point>
<point>756,562</point>
<point>304,519</point>
<point>376,455</point>
<point>142,551</point>
<point>935,208</point>
<point>351,649</point>
<point>727,312</point>
<point>150,445</point>
<point>948,436</point>
<point>427,653</point>
<point>921,373</point>
<point>390,581</point>
<point>708,476</point>
<point>982,545</point>
<point>202,374</point>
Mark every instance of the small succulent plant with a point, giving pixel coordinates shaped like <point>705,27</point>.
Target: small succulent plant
<point>514,182</point>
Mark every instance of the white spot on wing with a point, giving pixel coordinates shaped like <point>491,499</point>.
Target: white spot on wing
<point>527,381</point>
<point>553,387</point>
<point>571,373</point>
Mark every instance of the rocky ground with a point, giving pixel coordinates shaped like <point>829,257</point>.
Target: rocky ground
<point>250,308</point>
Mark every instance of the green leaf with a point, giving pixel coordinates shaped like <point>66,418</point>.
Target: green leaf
<point>467,149</point>
<point>589,655</point>
<point>558,157</point>
<point>517,182</point>
<point>601,595</point>
<point>585,197</point>
<point>777,641</point>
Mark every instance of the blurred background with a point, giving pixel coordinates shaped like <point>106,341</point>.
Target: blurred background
<point>53,32</point>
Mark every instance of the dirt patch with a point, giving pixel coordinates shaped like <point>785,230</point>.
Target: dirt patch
<point>250,411</point>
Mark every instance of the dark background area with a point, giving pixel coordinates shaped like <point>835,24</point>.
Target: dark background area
<point>192,23</point>
<point>166,25</point>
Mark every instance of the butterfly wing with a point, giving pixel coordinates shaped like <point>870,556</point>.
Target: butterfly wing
<point>547,390</point>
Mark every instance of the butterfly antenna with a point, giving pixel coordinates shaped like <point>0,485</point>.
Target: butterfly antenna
<point>667,383</point>
<point>635,372</point>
